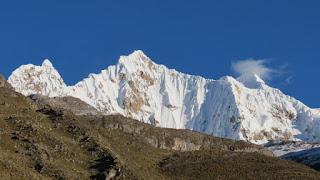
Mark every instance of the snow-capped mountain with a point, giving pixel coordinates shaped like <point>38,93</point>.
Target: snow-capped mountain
<point>45,80</point>
<point>243,108</point>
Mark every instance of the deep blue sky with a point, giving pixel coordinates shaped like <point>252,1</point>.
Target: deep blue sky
<point>197,37</point>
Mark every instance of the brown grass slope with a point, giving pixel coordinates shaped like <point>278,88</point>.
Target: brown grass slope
<point>38,142</point>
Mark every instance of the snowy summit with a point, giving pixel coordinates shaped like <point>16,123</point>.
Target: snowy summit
<point>244,108</point>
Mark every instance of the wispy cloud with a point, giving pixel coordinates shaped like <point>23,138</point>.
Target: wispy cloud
<point>280,75</point>
<point>253,66</point>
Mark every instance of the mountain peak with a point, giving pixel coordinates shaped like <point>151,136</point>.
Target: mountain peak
<point>243,108</point>
<point>252,81</point>
<point>32,79</point>
<point>136,60</point>
<point>46,63</point>
<point>138,53</point>
<point>136,56</point>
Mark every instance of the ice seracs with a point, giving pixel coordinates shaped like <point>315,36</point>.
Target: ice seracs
<point>243,108</point>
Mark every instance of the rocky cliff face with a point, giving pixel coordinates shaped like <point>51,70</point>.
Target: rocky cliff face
<point>245,108</point>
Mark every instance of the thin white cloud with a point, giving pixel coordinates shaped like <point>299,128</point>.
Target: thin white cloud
<point>252,66</point>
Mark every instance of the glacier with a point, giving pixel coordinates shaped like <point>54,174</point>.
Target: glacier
<point>243,108</point>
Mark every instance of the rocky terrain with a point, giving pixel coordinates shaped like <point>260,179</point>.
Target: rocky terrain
<point>38,141</point>
<point>69,103</point>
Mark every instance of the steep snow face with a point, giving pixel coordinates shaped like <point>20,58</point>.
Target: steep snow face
<point>244,108</point>
<point>268,114</point>
<point>30,79</point>
<point>139,88</point>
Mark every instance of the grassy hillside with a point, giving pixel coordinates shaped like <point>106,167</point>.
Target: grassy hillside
<point>39,142</point>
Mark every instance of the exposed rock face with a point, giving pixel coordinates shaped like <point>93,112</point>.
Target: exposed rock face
<point>245,108</point>
<point>180,140</point>
<point>69,103</point>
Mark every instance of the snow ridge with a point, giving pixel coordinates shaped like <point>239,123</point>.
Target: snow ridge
<point>244,108</point>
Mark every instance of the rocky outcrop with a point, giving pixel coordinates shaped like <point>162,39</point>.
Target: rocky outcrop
<point>69,103</point>
<point>180,140</point>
